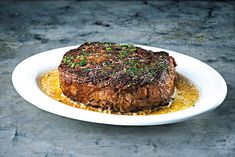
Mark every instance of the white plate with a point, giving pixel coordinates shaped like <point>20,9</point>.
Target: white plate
<point>212,88</point>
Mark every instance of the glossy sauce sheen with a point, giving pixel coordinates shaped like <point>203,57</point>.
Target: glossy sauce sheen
<point>186,95</point>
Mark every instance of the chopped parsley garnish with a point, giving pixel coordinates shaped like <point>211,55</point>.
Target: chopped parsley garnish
<point>125,46</point>
<point>128,47</point>
<point>108,44</point>
<point>73,65</point>
<point>84,53</point>
<point>71,61</point>
<point>126,50</point>
<point>108,48</point>
<point>123,54</point>
<point>67,59</point>
<point>83,62</point>
<point>132,67</point>
<point>87,69</point>
<point>113,73</point>
<point>132,62</point>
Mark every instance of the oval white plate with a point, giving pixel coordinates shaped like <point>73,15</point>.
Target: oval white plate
<point>212,88</point>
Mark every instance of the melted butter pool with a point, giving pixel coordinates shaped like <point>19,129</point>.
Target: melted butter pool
<point>186,95</point>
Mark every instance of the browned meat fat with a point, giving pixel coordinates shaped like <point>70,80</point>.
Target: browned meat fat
<point>122,78</point>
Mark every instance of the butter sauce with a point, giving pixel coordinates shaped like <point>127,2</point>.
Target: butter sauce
<point>186,95</point>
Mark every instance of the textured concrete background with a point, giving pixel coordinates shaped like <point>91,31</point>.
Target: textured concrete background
<point>204,30</point>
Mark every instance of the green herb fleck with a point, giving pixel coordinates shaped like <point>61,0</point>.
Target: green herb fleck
<point>67,59</point>
<point>132,68</point>
<point>113,73</point>
<point>123,54</point>
<point>130,47</point>
<point>108,44</point>
<point>73,65</point>
<point>87,69</point>
<point>124,46</point>
<point>133,49</point>
<point>84,53</point>
<point>108,48</point>
<point>83,62</point>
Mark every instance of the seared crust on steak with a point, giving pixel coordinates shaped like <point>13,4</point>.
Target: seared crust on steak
<point>122,78</point>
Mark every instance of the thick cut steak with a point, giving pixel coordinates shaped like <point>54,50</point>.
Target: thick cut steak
<point>121,78</point>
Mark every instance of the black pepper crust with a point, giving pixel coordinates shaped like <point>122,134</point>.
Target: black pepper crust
<point>121,66</point>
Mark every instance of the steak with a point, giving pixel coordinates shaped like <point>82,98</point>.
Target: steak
<point>118,77</point>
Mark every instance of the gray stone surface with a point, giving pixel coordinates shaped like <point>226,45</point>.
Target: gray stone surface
<point>204,30</point>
